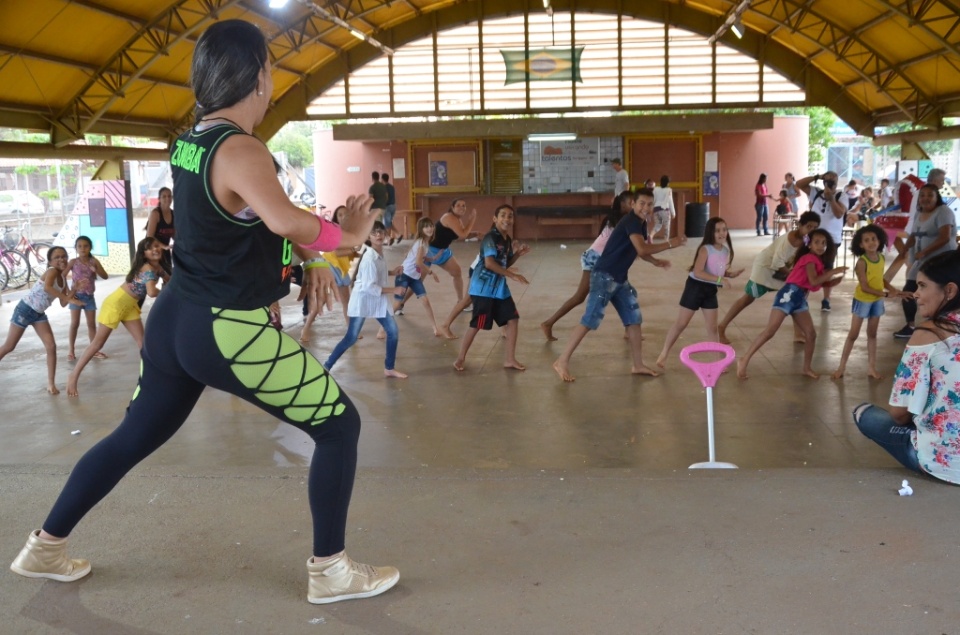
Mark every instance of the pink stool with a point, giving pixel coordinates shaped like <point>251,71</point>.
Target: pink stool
<point>708,373</point>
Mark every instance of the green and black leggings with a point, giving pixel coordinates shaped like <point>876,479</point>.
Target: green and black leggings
<point>188,347</point>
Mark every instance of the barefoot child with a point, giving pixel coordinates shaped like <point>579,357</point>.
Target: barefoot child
<point>709,271</point>
<point>623,205</point>
<point>867,245</point>
<point>609,284</point>
<point>770,270</point>
<point>809,273</point>
<point>123,305</point>
<point>84,270</point>
<point>413,270</point>
<point>492,301</point>
<point>370,299</point>
<point>30,311</point>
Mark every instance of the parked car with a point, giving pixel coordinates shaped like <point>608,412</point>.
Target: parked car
<point>16,202</point>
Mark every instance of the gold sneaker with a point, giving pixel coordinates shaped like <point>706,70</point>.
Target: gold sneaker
<point>345,579</point>
<point>42,558</point>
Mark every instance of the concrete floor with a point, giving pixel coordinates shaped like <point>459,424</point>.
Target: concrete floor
<point>511,502</point>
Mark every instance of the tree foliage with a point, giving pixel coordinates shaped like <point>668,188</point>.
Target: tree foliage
<point>296,139</point>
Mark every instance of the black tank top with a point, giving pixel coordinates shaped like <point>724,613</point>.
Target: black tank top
<point>221,260</point>
<point>443,235</point>
<point>164,231</point>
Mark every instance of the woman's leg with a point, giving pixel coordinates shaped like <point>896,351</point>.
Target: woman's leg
<point>759,211</point>
<point>349,339</point>
<point>50,344</point>
<point>583,287</point>
<point>877,425</point>
<point>103,333</point>
<point>453,268</point>
<point>909,305</point>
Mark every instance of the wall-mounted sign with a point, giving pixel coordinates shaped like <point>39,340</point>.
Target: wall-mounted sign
<point>580,152</point>
<point>353,168</point>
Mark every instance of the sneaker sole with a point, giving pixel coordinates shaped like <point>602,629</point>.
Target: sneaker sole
<point>50,576</point>
<point>357,596</point>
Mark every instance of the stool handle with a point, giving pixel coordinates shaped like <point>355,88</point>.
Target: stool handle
<point>708,372</point>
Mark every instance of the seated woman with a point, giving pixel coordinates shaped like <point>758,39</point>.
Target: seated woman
<point>922,428</point>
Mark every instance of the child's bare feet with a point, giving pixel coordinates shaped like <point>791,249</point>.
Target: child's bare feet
<point>436,332</point>
<point>71,357</point>
<point>100,355</point>
<point>837,374</point>
<point>53,390</point>
<point>644,370</point>
<point>547,331</point>
<point>304,339</point>
<point>873,374</point>
<point>742,369</point>
<point>722,335</point>
<point>563,371</point>
<point>459,365</point>
<point>515,365</point>
<point>395,374</point>
<point>447,333</point>
<point>381,334</point>
<point>71,386</point>
<point>661,361</point>
<point>808,372</point>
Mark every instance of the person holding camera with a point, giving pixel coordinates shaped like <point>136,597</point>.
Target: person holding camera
<point>826,202</point>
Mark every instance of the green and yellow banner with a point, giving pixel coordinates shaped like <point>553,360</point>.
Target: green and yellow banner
<point>542,65</point>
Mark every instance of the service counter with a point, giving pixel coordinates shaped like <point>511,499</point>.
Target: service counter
<point>573,215</point>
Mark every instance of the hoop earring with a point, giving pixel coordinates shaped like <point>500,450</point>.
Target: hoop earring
<point>259,93</point>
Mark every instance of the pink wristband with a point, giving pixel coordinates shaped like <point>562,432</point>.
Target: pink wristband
<point>328,239</point>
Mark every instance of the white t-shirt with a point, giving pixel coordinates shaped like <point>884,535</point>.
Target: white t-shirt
<point>620,182</point>
<point>410,262</point>
<point>828,220</point>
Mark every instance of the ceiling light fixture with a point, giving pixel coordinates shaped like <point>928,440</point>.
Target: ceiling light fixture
<point>552,136</point>
<point>732,23</point>
<point>278,4</point>
<point>737,28</point>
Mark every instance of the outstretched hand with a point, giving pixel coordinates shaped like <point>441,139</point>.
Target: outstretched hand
<point>356,221</point>
<point>320,289</point>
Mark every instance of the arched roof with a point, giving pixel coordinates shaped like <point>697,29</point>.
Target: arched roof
<point>71,67</point>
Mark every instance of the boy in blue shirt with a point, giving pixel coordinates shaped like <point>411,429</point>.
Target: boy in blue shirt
<point>609,284</point>
<point>492,301</point>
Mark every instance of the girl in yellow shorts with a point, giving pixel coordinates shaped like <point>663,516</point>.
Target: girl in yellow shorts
<point>123,305</point>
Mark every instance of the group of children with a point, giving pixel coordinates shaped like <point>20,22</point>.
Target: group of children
<point>122,306</point>
<point>793,266</point>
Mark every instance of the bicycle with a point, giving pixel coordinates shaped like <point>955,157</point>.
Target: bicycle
<point>36,252</point>
<point>17,265</point>
<point>4,276</point>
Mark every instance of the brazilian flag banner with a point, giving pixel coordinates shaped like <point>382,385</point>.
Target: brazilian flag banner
<point>542,65</point>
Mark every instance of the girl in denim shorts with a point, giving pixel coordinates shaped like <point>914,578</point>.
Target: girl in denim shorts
<point>84,270</point>
<point>31,312</point>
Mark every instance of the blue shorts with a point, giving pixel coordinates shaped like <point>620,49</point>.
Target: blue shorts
<point>89,303</point>
<point>605,290</point>
<point>791,299</point>
<point>438,256</point>
<point>388,213</point>
<point>867,310</point>
<point>755,290</point>
<point>343,279</point>
<point>588,259</point>
<point>405,281</point>
<point>24,315</point>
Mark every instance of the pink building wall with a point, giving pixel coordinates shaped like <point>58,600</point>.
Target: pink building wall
<point>344,167</point>
<point>742,156</point>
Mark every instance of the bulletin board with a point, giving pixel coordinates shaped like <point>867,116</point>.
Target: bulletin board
<point>460,168</point>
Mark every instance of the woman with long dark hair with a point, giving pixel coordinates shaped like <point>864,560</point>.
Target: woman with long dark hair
<point>236,231</point>
<point>761,194</point>
<point>921,429</point>
<point>160,225</point>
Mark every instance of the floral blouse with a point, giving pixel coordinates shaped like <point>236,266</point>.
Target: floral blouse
<point>927,383</point>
